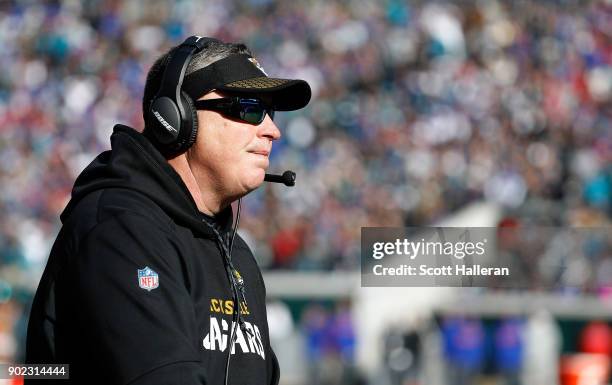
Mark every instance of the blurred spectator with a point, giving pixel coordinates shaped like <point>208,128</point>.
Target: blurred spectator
<point>330,344</point>
<point>464,348</point>
<point>509,350</point>
<point>542,350</point>
<point>403,354</point>
<point>315,323</point>
<point>596,338</point>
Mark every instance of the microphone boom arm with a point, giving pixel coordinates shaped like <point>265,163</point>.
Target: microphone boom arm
<point>288,178</point>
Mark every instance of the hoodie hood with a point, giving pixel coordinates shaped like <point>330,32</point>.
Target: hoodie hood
<point>133,163</point>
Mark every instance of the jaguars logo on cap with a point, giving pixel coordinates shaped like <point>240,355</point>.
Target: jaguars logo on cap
<point>256,63</point>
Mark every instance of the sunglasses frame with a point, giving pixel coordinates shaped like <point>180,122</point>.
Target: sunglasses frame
<point>234,107</point>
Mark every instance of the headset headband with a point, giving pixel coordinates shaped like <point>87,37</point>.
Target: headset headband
<point>175,70</point>
<point>174,124</point>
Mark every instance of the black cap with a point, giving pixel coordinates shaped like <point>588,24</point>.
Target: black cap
<point>241,74</point>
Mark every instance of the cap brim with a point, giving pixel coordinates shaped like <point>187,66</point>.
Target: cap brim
<point>280,94</point>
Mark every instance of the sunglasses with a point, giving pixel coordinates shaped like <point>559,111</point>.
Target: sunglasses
<point>248,110</point>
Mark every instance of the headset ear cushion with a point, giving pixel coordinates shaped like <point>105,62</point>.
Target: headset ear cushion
<point>192,113</point>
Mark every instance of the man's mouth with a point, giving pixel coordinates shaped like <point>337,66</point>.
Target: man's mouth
<point>261,152</point>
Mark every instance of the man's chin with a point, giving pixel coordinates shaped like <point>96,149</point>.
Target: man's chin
<point>255,180</point>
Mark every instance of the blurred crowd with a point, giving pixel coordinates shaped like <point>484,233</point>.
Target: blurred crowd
<point>448,348</point>
<point>418,108</point>
<point>566,261</point>
<point>536,349</point>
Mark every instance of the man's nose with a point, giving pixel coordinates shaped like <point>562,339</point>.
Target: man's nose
<point>268,129</point>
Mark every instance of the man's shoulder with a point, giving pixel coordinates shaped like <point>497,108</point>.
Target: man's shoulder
<point>114,203</point>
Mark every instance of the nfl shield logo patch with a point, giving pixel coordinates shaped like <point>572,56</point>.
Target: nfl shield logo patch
<point>148,279</point>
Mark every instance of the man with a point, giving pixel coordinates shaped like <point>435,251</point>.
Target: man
<point>146,282</point>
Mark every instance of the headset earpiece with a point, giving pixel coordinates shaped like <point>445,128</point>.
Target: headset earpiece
<point>166,120</point>
<point>172,116</point>
<point>191,113</point>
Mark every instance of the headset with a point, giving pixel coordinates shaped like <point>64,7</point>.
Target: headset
<point>172,116</point>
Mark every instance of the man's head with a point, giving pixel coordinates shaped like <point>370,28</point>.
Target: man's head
<point>230,151</point>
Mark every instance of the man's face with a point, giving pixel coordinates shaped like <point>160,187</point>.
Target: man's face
<point>230,154</point>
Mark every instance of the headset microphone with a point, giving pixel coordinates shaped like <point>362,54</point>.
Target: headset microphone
<point>288,178</point>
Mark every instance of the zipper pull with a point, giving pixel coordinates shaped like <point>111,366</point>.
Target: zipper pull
<point>239,280</point>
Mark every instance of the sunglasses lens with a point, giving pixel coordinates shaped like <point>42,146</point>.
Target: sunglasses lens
<point>249,110</point>
<point>252,111</point>
<point>252,114</point>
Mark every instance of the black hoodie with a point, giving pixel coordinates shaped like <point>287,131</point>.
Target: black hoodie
<point>135,290</point>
